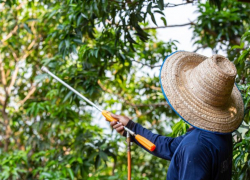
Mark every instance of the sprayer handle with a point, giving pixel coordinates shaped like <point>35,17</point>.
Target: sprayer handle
<point>108,116</point>
<point>145,142</point>
<point>142,140</point>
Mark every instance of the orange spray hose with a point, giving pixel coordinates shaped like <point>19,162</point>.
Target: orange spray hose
<point>129,156</point>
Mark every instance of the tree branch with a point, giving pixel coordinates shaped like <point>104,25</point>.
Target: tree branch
<point>4,114</point>
<point>14,55</point>
<point>201,47</point>
<point>169,5</point>
<point>169,26</point>
<point>5,106</point>
<point>31,91</point>
<point>13,78</point>
<point>26,54</point>
<point>3,78</point>
<point>31,44</point>
<point>5,100</point>
<point>20,5</point>
<point>10,34</point>
<point>128,2</point>
<point>145,113</point>
<point>152,105</point>
<point>154,88</point>
<point>1,99</point>
<point>143,64</point>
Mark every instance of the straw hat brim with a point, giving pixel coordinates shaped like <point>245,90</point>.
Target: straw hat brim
<point>174,77</point>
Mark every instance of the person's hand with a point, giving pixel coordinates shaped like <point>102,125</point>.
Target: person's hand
<point>123,122</point>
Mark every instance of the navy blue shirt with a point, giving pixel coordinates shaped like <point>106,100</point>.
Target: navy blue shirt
<point>197,155</point>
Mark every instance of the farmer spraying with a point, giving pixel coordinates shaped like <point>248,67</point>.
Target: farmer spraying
<point>202,92</point>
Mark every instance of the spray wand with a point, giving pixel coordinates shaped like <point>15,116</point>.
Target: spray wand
<point>142,140</point>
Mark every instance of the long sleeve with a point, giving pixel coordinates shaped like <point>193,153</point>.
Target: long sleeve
<point>165,146</point>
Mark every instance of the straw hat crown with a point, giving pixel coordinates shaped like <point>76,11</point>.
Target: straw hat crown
<point>212,80</point>
<point>202,91</point>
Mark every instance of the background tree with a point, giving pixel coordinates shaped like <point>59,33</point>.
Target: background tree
<point>108,52</point>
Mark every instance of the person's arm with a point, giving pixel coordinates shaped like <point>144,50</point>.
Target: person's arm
<point>165,146</point>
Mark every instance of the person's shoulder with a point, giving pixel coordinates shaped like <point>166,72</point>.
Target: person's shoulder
<point>194,150</point>
<point>195,147</point>
<point>191,137</point>
<point>215,140</point>
<point>194,142</point>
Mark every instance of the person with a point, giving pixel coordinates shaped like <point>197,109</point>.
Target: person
<point>202,92</point>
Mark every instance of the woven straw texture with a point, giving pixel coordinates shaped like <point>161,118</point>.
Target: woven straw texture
<point>202,91</point>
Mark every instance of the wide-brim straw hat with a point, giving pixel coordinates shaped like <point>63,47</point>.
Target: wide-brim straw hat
<point>202,91</point>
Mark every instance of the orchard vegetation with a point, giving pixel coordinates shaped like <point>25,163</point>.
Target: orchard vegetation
<point>109,52</point>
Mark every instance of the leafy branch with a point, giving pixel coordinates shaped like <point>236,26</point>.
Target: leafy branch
<point>169,26</point>
<point>143,64</point>
<point>170,5</point>
<point>29,94</point>
<point>10,34</point>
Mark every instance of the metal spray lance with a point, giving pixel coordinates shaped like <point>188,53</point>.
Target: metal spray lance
<point>142,140</point>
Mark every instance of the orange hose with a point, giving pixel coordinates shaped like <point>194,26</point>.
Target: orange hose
<point>129,165</point>
<point>129,157</point>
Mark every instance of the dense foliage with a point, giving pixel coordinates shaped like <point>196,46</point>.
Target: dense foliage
<point>107,51</point>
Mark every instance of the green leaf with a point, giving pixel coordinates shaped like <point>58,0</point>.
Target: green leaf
<point>46,175</point>
<point>79,20</point>
<point>67,96</point>
<point>71,174</point>
<point>117,35</point>
<point>103,155</point>
<point>79,41</point>
<point>159,12</point>
<point>40,77</point>
<point>32,19</point>
<point>149,7</point>
<point>83,15</point>
<point>243,56</point>
<point>27,28</point>
<point>164,21</point>
<point>160,4</point>
<point>241,46</point>
<point>246,36</point>
<point>97,161</point>
<point>67,43</point>
<point>153,18</point>
<point>61,46</point>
